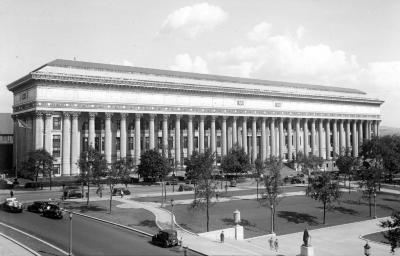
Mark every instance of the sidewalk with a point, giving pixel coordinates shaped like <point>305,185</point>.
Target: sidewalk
<point>10,247</point>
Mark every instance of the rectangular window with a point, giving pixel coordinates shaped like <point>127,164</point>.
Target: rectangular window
<point>130,143</point>
<point>56,145</point>
<point>102,143</point>
<point>118,124</point>
<point>97,143</point>
<point>218,141</point>
<point>196,142</point>
<point>56,169</point>
<point>159,140</point>
<point>170,142</point>
<point>85,144</point>
<point>56,123</point>
<point>185,142</point>
<point>147,139</point>
<point>117,143</point>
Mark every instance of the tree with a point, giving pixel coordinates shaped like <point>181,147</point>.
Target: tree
<point>153,165</point>
<point>273,186</point>
<point>39,162</point>
<point>369,177</point>
<point>116,174</point>
<point>346,165</point>
<point>325,190</point>
<point>202,164</point>
<point>390,148</point>
<point>93,165</point>
<point>258,170</point>
<point>393,234</point>
<point>309,164</point>
<point>235,162</point>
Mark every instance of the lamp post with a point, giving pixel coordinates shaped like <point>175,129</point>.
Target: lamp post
<point>272,219</point>
<point>366,249</point>
<point>172,214</point>
<point>70,233</point>
<point>375,205</point>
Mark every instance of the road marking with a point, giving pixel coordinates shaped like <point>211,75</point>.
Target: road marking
<point>34,237</point>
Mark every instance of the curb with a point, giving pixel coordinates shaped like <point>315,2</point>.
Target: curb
<point>20,244</point>
<point>126,227</point>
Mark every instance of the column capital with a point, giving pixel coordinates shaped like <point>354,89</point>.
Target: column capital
<point>190,117</point>
<point>123,115</point>
<point>273,119</point>
<point>254,118</point>
<point>305,119</point>
<point>75,115</point>
<point>92,115</point>
<point>213,118</point>
<point>224,118</point>
<point>289,119</point>
<point>66,114</point>
<point>244,118</point>
<point>334,121</point>
<point>108,115</point>
<point>165,117</point>
<point>178,117</point>
<point>313,120</point>
<point>138,115</point>
<point>298,120</point>
<point>49,114</point>
<point>38,114</point>
<point>234,118</point>
<point>202,117</point>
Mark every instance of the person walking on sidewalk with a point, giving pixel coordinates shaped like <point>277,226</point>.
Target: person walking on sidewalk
<point>11,193</point>
<point>276,244</point>
<point>222,236</point>
<point>271,243</point>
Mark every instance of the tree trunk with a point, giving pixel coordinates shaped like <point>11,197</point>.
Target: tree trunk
<point>349,183</point>
<point>208,213</point>
<point>324,212</point>
<point>257,188</point>
<point>273,218</point>
<point>111,189</point>
<point>370,210</point>
<point>88,187</point>
<point>50,179</point>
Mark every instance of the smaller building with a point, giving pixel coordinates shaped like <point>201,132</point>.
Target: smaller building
<point>6,142</point>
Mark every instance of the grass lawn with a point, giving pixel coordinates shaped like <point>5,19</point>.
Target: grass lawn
<point>136,218</point>
<point>293,214</point>
<point>377,237</point>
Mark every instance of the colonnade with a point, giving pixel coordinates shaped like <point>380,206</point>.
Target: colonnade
<point>177,135</point>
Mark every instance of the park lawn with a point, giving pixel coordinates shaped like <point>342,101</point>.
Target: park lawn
<point>377,237</point>
<point>135,218</point>
<point>293,214</point>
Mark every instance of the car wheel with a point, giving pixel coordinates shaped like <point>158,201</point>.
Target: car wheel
<point>166,244</point>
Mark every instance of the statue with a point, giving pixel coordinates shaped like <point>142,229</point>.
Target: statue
<point>306,236</point>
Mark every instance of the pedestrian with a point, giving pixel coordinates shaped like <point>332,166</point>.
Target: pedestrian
<point>11,193</point>
<point>222,236</point>
<point>216,195</point>
<point>122,193</point>
<point>271,243</point>
<point>276,244</point>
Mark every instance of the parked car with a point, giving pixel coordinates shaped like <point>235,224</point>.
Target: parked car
<point>185,188</point>
<point>171,182</point>
<point>72,192</point>
<point>37,206</point>
<point>117,191</point>
<point>232,183</point>
<point>12,205</point>
<point>52,211</point>
<point>165,238</point>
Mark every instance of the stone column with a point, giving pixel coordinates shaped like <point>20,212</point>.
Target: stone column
<point>369,129</point>
<point>165,135</point>
<point>177,140</point>
<point>290,139</point>
<point>354,138</point>
<point>38,130</point>
<point>151,132</point>
<point>360,134</point>
<point>305,136</point>
<point>254,139</point>
<point>335,138</point>
<point>223,137</point>
<point>263,139</point>
<point>92,132</point>
<point>328,139</point>
<point>137,139</point>
<point>213,135</point>
<point>201,134</point>
<point>66,145</point>
<point>298,149</point>
<point>376,128</point>
<point>123,137</point>
<point>234,131</point>
<point>108,139</point>
<point>244,134</point>
<point>313,149</point>
<point>281,138</point>
<point>190,136</point>
<point>75,149</point>
<point>348,146</point>
<point>272,135</point>
<point>320,135</point>
<point>342,145</point>
<point>47,130</point>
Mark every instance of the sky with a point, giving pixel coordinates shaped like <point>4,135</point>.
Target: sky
<point>345,43</point>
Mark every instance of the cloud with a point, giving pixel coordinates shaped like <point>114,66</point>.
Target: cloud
<point>260,32</point>
<point>127,63</point>
<point>183,62</point>
<point>300,32</point>
<point>194,20</point>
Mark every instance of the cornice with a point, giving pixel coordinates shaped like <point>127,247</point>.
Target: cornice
<point>185,87</point>
<point>155,109</point>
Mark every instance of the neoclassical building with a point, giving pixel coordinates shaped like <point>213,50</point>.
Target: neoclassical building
<point>123,111</point>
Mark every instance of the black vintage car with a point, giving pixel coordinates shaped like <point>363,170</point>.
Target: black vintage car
<point>12,205</point>
<point>37,206</point>
<point>72,192</point>
<point>117,191</point>
<point>165,238</point>
<point>52,211</point>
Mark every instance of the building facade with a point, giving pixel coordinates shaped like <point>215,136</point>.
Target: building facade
<point>123,111</point>
<point>6,143</point>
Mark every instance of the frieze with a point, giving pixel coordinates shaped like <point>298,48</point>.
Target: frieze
<point>151,109</point>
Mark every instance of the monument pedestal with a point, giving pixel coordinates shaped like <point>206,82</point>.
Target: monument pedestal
<point>306,251</point>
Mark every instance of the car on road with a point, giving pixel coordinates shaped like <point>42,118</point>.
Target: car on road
<point>183,187</point>
<point>165,238</point>
<point>171,182</point>
<point>232,183</point>
<point>52,211</point>
<point>72,192</point>
<point>37,206</point>
<point>117,191</point>
<point>12,205</point>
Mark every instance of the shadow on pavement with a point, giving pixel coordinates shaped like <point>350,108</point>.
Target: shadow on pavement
<point>243,222</point>
<point>147,223</point>
<point>297,217</point>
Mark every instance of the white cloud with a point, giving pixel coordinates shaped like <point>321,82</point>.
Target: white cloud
<point>260,32</point>
<point>300,32</point>
<point>127,63</point>
<point>194,19</point>
<point>183,62</point>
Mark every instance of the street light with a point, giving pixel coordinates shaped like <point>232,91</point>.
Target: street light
<point>374,205</point>
<point>172,214</point>
<point>366,249</point>
<point>70,234</point>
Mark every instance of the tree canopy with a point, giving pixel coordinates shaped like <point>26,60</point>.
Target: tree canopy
<point>236,161</point>
<point>153,165</point>
<point>40,162</point>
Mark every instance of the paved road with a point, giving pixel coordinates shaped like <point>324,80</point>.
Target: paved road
<point>89,237</point>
